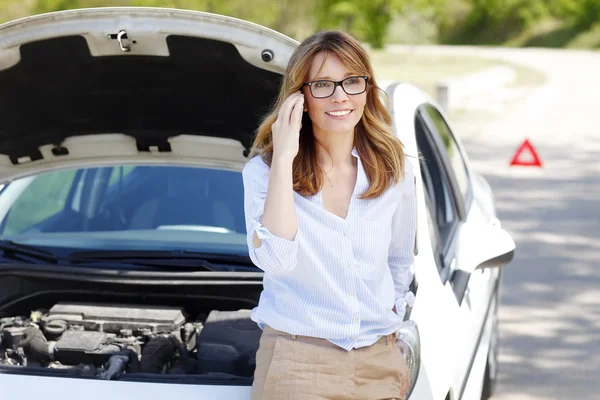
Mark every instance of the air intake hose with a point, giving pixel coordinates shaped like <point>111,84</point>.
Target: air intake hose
<point>156,354</point>
<point>159,352</point>
<point>35,345</point>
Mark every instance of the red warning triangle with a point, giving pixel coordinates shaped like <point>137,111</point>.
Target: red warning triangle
<point>526,156</point>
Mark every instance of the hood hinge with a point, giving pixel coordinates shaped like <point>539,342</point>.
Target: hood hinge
<point>153,145</point>
<point>26,158</point>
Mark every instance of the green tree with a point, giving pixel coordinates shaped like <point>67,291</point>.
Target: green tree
<point>44,6</point>
<point>368,20</point>
<point>580,13</point>
<point>281,15</point>
<point>494,21</point>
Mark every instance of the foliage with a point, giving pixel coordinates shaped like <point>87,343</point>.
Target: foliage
<point>276,14</point>
<point>368,20</point>
<point>455,21</point>
<point>581,13</point>
<point>497,21</point>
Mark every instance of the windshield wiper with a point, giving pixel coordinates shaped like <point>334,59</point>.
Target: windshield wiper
<point>159,258</point>
<point>22,252</point>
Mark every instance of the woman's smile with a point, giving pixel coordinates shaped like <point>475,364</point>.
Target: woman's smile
<point>339,114</point>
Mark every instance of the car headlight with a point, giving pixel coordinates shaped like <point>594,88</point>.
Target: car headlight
<point>409,342</point>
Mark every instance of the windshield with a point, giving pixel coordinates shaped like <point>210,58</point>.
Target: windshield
<point>127,207</point>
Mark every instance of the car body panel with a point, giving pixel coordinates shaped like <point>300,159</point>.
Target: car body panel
<point>473,384</point>
<point>464,345</point>
<point>30,387</point>
<point>186,150</point>
<point>435,309</point>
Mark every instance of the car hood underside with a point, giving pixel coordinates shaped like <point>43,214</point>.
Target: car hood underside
<point>149,74</point>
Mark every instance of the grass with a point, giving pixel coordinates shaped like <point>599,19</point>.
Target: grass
<point>426,71</point>
<point>557,34</point>
<point>527,76</point>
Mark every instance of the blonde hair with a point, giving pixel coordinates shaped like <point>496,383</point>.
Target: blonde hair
<point>381,153</point>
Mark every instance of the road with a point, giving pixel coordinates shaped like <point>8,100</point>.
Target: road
<point>550,304</point>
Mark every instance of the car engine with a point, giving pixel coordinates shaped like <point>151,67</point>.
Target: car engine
<point>107,341</point>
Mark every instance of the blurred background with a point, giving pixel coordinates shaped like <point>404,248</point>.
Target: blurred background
<point>551,23</point>
<point>504,71</point>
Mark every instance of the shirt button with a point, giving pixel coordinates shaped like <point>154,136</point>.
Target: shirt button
<point>345,233</point>
<point>351,293</point>
<point>355,320</point>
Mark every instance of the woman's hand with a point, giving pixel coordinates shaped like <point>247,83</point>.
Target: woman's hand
<point>286,129</point>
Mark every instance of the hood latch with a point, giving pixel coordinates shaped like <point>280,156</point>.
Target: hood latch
<point>124,41</point>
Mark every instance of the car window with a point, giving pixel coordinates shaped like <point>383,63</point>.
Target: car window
<point>119,173</point>
<point>443,218</point>
<point>45,196</point>
<point>436,184</point>
<point>457,162</point>
<point>434,233</point>
<point>133,203</point>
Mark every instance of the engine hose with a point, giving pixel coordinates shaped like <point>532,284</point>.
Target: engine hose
<point>183,359</point>
<point>156,354</point>
<point>133,366</point>
<point>116,366</point>
<point>35,345</point>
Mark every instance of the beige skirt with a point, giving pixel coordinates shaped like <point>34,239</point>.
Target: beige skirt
<point>290,367</point>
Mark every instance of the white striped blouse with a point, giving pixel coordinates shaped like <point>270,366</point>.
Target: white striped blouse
<point>338,279</point>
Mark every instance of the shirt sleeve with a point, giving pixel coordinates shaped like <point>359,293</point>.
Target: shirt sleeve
<point>275,255</point>
<point>401,253</point>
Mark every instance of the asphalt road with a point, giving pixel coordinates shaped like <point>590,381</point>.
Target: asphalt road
<point>550,304</point>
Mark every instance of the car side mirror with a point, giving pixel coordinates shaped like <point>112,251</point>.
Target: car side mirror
<point>480,246</point>
<point>484,245</point>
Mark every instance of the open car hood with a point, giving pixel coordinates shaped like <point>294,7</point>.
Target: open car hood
<point>133,84</point>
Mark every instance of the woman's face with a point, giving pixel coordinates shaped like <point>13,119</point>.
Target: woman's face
<point>339,113</point>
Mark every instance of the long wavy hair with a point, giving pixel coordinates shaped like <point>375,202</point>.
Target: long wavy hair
<point>381,153</point>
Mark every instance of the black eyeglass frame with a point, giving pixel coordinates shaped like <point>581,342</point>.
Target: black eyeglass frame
<point>336,84</point>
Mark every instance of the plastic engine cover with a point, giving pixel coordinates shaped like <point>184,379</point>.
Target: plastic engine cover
<point>228,343</point>
<point>114,317</point>
<point>76,347</point>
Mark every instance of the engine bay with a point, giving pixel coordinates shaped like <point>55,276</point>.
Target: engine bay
<point>115,341</point>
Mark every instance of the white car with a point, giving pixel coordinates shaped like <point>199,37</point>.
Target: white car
<point>124,272</point>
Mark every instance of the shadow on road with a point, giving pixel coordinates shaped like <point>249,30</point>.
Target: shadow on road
<point>550,312</point>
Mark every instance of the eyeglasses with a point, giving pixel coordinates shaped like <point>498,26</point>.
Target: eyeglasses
<point>352,85</point>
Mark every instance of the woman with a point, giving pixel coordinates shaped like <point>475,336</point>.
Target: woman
<point>331,219</point>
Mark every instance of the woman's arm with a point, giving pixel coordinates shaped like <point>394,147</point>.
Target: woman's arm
<point>401,253</point>
<point>269,195</point>
<point>280,213</point>
<point>277,243</point>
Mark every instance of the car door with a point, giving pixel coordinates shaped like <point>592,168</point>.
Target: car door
<point>449,197</point>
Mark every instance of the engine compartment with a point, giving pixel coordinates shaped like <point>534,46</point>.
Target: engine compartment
<point>115,341</point>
